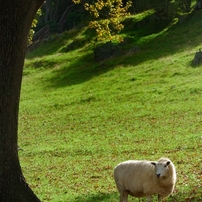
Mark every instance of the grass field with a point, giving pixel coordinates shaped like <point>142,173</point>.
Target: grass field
<point>80,118</point>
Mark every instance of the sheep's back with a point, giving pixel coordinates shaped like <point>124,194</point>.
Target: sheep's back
<point>132,175</point>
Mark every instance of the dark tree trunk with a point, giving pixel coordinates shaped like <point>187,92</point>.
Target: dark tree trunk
<point>64,15</point>
<point>15,20</point>
<point>48,7</point>
<point>56,10</point>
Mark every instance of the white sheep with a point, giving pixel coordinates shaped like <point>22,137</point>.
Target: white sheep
<point>141,178</point>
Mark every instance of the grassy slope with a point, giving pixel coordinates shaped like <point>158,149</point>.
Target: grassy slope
<point>79,118</point>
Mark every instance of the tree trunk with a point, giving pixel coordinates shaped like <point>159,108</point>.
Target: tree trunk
<point>15,20</point>
<point>64,15</point>
<point>48,13</point>
<point>55,14</point>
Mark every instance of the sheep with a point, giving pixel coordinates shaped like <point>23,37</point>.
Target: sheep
<point>142,178</point>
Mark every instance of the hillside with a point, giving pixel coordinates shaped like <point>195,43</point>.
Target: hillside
<point>79,118</point>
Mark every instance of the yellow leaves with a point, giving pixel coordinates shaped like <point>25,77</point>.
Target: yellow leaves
<point>109,15</point>
<point>86,6</point>
<point>77,1</point>
<point>99,4</point>
<point>92,9</point>
<point>34,23</point>
<point>103,30</point>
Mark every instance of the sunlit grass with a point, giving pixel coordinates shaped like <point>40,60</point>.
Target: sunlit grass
<point>79,118</point>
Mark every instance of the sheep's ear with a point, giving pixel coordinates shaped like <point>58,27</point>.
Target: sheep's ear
<point>167,163</point>
<point>153,163</point>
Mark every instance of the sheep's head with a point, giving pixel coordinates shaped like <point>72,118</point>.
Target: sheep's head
<point>162,168</point>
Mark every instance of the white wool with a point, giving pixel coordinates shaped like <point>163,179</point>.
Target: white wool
<point>141,178</point>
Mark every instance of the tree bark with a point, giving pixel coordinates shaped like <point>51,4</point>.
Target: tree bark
<point>15,20</point>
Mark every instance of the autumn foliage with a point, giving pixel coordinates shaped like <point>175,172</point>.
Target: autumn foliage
<point>107,17</point>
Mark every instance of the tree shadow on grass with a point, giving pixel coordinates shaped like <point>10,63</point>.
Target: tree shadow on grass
<point>83,68</point>
<point>58,43</point>
<point>168,37</point>
<point>77,71</point>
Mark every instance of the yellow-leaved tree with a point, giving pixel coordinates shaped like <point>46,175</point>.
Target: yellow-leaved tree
<point>108,16</point>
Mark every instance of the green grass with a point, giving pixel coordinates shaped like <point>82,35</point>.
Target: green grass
<point>79,119</point>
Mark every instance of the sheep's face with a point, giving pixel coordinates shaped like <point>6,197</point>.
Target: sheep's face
<point>161,169</point>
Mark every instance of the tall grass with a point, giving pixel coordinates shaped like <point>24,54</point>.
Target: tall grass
<point>78,118</point>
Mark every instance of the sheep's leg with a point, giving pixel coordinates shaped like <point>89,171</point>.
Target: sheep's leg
<point>159,198</point>
<point>124,196</point>
<point>149,198</point>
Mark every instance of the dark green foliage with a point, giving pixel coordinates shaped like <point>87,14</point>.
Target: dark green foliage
<point>198,5</point>
<point>184,5</point>
<point>60,15</point>
<point>73,19</point>
<point>63,15</point>
<point>164,9</point>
